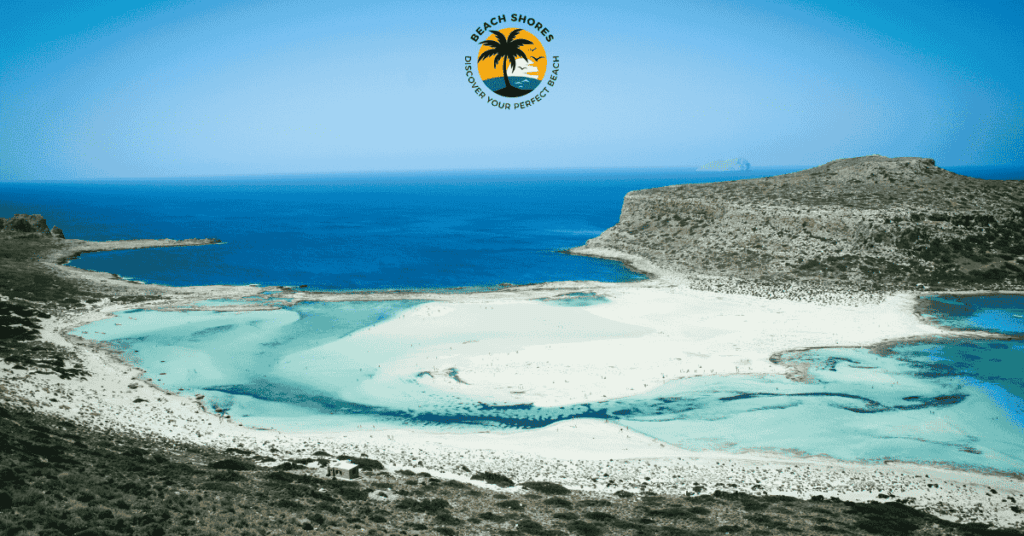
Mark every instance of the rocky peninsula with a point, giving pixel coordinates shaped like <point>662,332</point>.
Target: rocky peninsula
<point>871,224</point>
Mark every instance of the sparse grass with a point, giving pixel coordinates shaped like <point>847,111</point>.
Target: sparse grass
<point>60,479</point>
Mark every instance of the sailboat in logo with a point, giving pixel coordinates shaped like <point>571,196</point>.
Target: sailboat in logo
<point>517,78</point>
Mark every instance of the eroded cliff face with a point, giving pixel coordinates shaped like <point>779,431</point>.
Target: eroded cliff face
<point>873,222</point>
<point>26,225</point>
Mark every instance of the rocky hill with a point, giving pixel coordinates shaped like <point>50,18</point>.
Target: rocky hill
<point>869,223</point>
<point>24,225</point>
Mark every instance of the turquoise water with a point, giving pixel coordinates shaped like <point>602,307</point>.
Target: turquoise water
<point>947,401</point>
<point>577,299</point>
<point>996,313</point>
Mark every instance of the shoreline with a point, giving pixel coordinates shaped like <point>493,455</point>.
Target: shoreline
<point>530,455</point>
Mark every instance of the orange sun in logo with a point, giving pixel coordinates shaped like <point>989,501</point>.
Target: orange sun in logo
<point>512,62</point>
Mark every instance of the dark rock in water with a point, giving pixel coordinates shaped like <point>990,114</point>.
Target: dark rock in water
<point>56,232</point>
<point>24,223</point>
<point>733,164</point>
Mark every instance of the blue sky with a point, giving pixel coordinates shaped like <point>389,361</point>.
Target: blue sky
<point>173,89</point>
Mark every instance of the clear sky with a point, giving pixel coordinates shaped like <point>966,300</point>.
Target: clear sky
<point>172,89</point>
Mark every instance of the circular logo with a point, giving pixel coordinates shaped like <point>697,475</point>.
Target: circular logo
<point>511,62</point>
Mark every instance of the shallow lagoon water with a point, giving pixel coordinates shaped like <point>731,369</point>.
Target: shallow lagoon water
<point>947,401</point>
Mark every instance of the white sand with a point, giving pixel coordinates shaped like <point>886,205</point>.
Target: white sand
<point>641,338</point>
<point>527,351</point>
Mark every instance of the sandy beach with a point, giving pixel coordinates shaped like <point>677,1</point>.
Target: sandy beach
<point>638,337</point>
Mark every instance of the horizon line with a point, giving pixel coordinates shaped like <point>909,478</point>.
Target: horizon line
<point>482,171</point>
<point>458,171</point>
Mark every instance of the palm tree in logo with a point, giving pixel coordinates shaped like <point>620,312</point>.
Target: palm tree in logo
<point>506,51</point>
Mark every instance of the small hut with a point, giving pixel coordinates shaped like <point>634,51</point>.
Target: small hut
<point>343,469</point>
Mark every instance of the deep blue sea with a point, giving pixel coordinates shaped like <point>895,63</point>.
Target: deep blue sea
<point>372,231</point>
<point>387,231</point>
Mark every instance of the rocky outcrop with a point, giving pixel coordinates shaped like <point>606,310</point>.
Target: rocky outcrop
<point>25,225</point>
<point>56,232</point>
<point>871,222</point>
<point>734,164</point>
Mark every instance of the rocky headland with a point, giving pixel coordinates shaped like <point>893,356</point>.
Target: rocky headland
<point>24,225</point>
<point>871,223</point>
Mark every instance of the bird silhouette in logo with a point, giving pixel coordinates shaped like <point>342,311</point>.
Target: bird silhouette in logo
<point>535,58</point>
<point>532,49</point>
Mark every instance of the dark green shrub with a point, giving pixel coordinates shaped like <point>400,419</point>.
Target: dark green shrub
<point>354,494</point>
<point>548,488</point>
<point>234,465</point>
<point>222,486</point>
<point>152,529</point>
<point>429,506</point>
<point>227,476</point>
<point>446,518</point>
<point>673,512</point>
<point>530,526</point>
<point>94,531</point>
<point>364,464</point>
<point>494,478</point>
<point>511,505</point>
<point>886,518</point>
<point>558,501</point>
<point>585,529</point>
<point>290,504</point>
